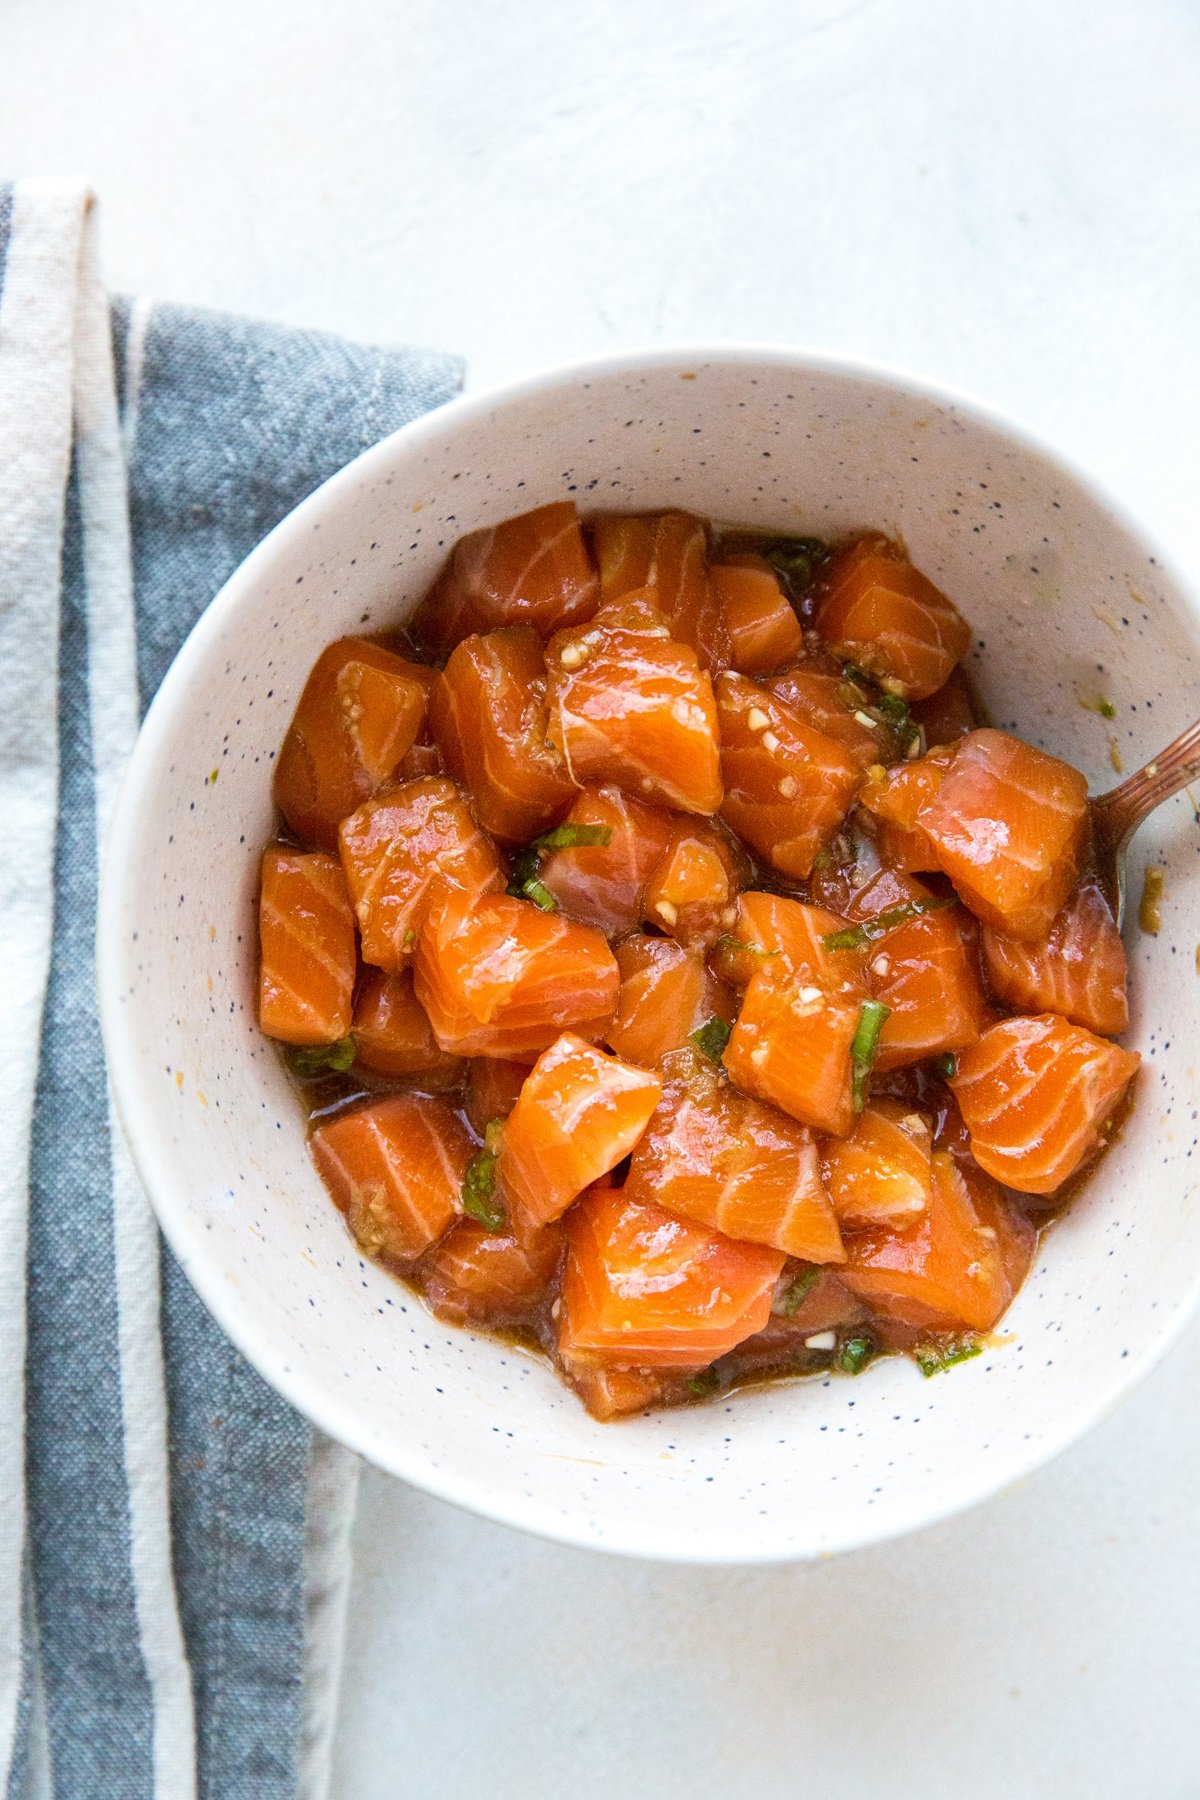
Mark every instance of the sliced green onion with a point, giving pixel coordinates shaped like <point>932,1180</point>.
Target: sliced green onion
<point>947,1066</point>
<point>865,1048</point>
<point>318,1059</point>
<point>797,1291</point>
<point>854,1354</point>
<point>931,1359</point>
<point>712,1037</point>
<point>797,558</point>
<point>894,708</point>
<point>855,936</point>
<point>858,676</point>
<point>573,837</point>
<point>540,894</point>
<point>479,1199</point>
<point>705,1381</point>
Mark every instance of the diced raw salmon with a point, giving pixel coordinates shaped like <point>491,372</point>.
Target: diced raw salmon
<point>764,632</point>
<point>666,555</point>
<point>825,701</point>
<point>531,570</point>
<point>773,930</point>
<point>601,884</point>
<point>395,1168</point>
<point>492,1089</point>
<point>488,714</point>
<point>880,612</point>
<point>642,1288</point>
<point>924,969</point>
<point>1079,970</point>
<point>577,1115</point>
<point>308,956</point>
<point>630,705</point>
<point>952,1268</point>
<point>1038,1097</point>
<point>423,758</point>
<point>692,891</point>
<point>360,711</point>
<point>393,1036</point>
<point>880,1174</point>
<point>787,787</point>
<point>501,978</point>
<point>714,1155</point>
<point>666,993</point>
<point>897,800</point>
<point>614,1393</point>
<point>397,849</point>
<point>1007,824</point>
<point>481,1277</point>
<point>949,714</point>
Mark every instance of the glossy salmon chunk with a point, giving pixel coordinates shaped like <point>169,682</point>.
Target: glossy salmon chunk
<point>501,978</point>
<point>577,1115</point>
<point>601,884</point>
<point>714,1155</point>
<point>531,570</point>
<point>361,710</point>
<point>481,1277</point>
<point>896,800</point>
<point>764,632</point>
<point>958,1265</point>
<point>826,702</point>
<point>666,556</point>
<point>614,1393</point>
<point>306,939</point>
<point>1038,1096</point>
<point>1007,824</point>
<point>395,1168</point>
<point>643,1288</point>
<point>492,1089</point>
<point>692,892</point>
<point>400,846</point>
<point>881,1174</point>
<point>393,1036</point>
<point>924,968</point>
<point>630,705</point>
<point>787,787</point>
<point>1079,970</point>
<point>666,993</point>
<point>880,612</point>
<point>488,715</point>
<point>773,931</point>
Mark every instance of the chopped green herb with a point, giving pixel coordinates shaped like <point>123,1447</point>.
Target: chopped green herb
<point>540,894</point>
<point>318,1059</point>
<point>705,1381</point>
<point>479,1191</point>
<point>931,1359</point>
<point>409,938</point>
<point>712,1037</point>
<point>573,837</point>
<point>855,936</point>
<point>895,708</point>
<point>1098,703</point>
<point>796,559</point>
<point>865,1048</point>
<point>858,676</point>
<point>797,1291</point>
<point>854,1354</point>
<point>947,1066</point>
<point>736,943</point>
<point>493,1137</point>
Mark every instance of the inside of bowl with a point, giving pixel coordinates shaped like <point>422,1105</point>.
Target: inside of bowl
<point>1067,608</point>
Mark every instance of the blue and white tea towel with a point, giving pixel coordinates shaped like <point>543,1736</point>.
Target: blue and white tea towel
<point>173,1538</point>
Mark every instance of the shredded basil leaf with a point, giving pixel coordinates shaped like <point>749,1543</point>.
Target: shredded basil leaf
<point>932,1359</point>
<point>705,1381</point>
<point>479,1200</point>
<point>712,1037</point>
<point>797,1291</point>
<point>854,1354</point>
<point>865,1048</point>
<point>318,1059</point>
<point>855,936</point>
<point>573,837</point>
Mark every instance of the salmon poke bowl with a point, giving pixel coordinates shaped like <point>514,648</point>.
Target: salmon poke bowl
<point>606,973</point>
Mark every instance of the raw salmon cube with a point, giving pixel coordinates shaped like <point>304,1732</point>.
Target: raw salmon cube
<point>897,800</point>
<point>481,1277</point>
<point>531,570</point>
<point>959,1265</point>
<point>1038,1096</point>
<point>488,714</point>
<point>881,1174</point>
<point>577,1115</point>
<point>630,705</point>
<point>714,1155</point>
<point>924,968</point>
<point>789,936</point>
<point>644,1289</point>
<point>308,956</point>
<point>610,1392</point>
<point>880,612</point>
<point>601,884</point>
<point>396,1169</point>
<point>692,892</point>
<point>393,1036</point>
<point>825,701</point>
<point>400,846</point>
<point>492,1089</point>
<point>424,758</point>
<point>666,993</point>
<point>764,632</point>
<point>791,1047</point>
<point>666,556</point>
<point>360,711</point>
<point>501,978</point>
<point>1079,970</point>
<point>787,787</point>
<point>1007,823</point>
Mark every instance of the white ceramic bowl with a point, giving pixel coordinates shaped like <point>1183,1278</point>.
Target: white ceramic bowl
<point>1067,602</point>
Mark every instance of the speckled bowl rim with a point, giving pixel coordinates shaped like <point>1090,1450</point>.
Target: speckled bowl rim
<point>185,1233</point>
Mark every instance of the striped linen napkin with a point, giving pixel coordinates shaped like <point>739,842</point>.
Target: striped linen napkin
<point>173,1538</point>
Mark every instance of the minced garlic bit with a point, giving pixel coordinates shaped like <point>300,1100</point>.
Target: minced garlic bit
<point>770,741</point>
<point>821,1340</point>
<point>808,995</point>
<point>876,772</point>
<point>729,915</point>
<point>667,911</point>
<point>757,719</point>
<point>787,787</point>
<point>866,719</point>
<point>914,749</point>
<point>573,655</point>
<point>881,966</point>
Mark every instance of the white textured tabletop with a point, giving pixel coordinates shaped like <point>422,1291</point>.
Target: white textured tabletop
<point>1004,197</point>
